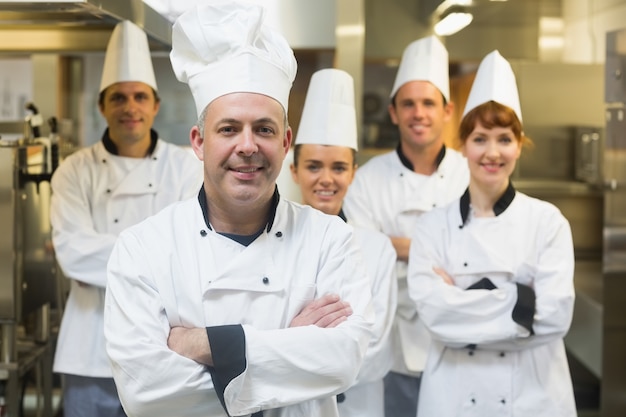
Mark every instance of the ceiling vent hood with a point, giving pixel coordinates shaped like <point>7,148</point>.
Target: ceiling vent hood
<point>75,25</point>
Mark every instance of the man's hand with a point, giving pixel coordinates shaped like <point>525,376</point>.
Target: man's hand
<point>191,343</point>
<point>327,311</point>
<point>443,274</point>
<point>402,246</point>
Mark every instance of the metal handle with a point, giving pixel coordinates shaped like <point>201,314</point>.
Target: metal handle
<point>610,185</point>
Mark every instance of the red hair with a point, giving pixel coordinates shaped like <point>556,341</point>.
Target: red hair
<point>492,114</point>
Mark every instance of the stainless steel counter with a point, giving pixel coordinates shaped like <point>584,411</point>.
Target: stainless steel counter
<point>584,339</point>
<point>551,188</point>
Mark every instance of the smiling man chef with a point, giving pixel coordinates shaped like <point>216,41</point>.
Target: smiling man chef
<point>97,192</point>
<point>236,302</point>
<point>392,190</point>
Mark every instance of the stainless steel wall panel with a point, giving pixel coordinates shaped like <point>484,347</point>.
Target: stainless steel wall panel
<point>7,230</point>
<point>613,389</point>
<point>613,399</point>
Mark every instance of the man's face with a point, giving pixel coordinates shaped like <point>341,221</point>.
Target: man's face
<point>129,109</point>
<point>245,142</point>
<point>420,114</point>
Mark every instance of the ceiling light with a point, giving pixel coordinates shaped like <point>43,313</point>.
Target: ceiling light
<point>453,22</point>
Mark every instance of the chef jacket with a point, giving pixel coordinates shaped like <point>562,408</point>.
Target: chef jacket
<point>498,331</point>
<point>95,195</point>
<point>174,270</point>
<point>388,196</point>
<point>365,398</point>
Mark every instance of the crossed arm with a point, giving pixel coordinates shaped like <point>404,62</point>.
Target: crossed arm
<point>326,312</point>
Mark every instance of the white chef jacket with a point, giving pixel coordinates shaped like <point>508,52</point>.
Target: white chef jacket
<point>95,196</point>
<point>365,398</point>
<point>173,270</point>
<point>481,361</point>
<point>389,197</point>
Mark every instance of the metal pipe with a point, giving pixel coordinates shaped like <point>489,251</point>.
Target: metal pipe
<point>8,345</point>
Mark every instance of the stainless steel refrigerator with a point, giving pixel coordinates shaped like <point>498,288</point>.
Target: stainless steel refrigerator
<point>613,385</point>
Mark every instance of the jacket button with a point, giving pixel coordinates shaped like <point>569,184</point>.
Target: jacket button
<point>279,234</point>
<point>503,401</point>
<point>464,263</point>
<point>149,185</point>
<point>473,401</point>
<point>203,233</point>
<point>471,353</point>
<point>115,221</point>
<point>502,354</point>
<point>266,280</point>
<point>109,191</point>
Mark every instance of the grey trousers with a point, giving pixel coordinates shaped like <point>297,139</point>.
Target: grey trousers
<point>401,394</point>
<point>90,397</point>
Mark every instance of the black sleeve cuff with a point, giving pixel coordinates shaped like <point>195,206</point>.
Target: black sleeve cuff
<point>524,310</point>
<point>484,284</point>
<point>228,351</point>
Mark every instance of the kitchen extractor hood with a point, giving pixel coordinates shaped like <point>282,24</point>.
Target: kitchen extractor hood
<point>75,25</point>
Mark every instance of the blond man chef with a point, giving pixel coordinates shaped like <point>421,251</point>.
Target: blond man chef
<point>323,167</point>
<point>392,190</point>
<point>236,302</point>
<point>99,191</point>
<point>492,276</point>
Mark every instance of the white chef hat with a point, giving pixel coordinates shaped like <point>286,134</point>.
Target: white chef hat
<point>222,47</point>
<point>127,57</point>
<point>425,59</point>
<point>328,116</point>
<point>495,81</point>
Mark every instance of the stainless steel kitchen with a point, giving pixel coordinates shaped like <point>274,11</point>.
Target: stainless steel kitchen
<point>569,59</point>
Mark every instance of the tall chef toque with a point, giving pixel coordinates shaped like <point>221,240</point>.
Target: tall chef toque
<point>127,57</point>
<point>425,59</point>
<point>495,81</point>
<point>223,47</point>
<point>328,116</point>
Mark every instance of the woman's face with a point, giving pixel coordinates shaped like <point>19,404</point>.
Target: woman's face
<point>324,174</point>
<point>491,155</point>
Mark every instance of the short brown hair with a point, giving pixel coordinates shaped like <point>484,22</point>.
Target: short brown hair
<point>492,114</point>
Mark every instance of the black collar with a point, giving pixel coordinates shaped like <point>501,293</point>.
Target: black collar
<point>342,215</point>
<point>502,204</point>
<point>112,147</point>
<point>205,208</point>
<point>408,164</point>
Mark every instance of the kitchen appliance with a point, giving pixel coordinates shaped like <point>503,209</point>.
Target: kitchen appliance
<point>75,25</point>
<point>29,283</point>
<point>613,385</point>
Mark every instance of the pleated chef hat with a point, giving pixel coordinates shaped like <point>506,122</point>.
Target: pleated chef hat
<point>127,57</point>
<point>223,47</point>
<point>495,81</point>
<point>328,116</point>
<point>425,59</point>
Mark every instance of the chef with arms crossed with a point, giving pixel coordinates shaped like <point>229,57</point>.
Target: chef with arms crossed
<point>236,302</point>
<point>390,192</point>
<point>98,191</point>
<point>492,276</point>
<point>323,167</point>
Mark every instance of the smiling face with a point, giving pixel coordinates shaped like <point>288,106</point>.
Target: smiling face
<point>244,144</point>
<point>491,140</point>
<point>420,113</point>
<point>129,109</point>
<point>323,174</point>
